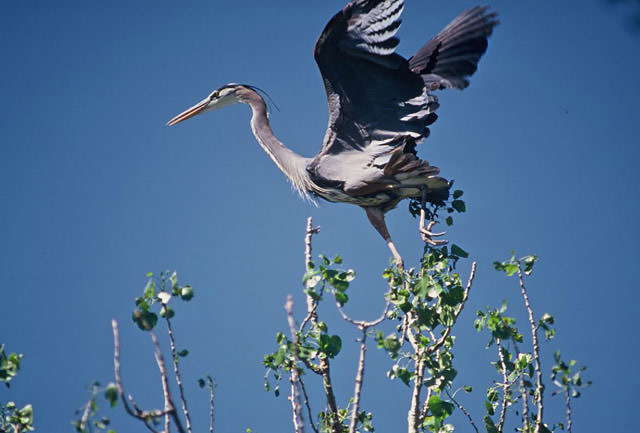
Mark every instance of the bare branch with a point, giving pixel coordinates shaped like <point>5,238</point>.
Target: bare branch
<point>307,241</point>
<point>465,411</point>
<point>413,416</point>
<point>306,403</point>
<point>86,412</point>
<point>505,386</point>
<point>328,390</point>
<point>211,403</point>
<point>536,352</point>
<point>176,370</point>
<point>324,367</point>
<point>296,406</point>
<point>525,405</point>
<point>169,406</point>
<point>145,416</point>
<point>364,323</point>
<point>359,379</point>
<point>567,398</point>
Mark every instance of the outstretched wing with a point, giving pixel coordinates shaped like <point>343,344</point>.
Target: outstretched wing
<point>447,60</point>
<point>373,95</point>
<point>376,103</point>
<point>379,105</point>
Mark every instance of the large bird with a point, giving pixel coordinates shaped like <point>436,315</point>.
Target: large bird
<point>380,107</point>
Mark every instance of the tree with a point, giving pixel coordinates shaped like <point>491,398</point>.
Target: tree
<point>424,305</point>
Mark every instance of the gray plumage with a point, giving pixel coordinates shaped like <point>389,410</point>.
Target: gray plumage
<point>380,107</point>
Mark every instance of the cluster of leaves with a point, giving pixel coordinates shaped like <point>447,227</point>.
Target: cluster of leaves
<point>568,378</point>
<point>159,290</point>
<point>9,366</point>
<point>517,369</point>
<point>314,343</point>
<point>90,421</point>
<point>426,304</point>
<point>453,204</point>
<point>565,378</point>
<point>15,420</point>
<point>12,418</point>
<point>312,346</point>
<point>156,295</point>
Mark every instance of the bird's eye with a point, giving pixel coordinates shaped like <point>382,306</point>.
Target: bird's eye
<point>214,94</point>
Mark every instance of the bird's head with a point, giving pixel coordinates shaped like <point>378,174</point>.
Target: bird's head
<point>225,95</point>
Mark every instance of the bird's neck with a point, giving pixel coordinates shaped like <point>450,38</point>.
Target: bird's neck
<point>290,163</point>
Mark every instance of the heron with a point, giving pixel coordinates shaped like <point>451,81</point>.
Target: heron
<point>380,107</point>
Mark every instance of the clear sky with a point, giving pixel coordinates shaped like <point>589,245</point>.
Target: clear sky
<point>95,191</point>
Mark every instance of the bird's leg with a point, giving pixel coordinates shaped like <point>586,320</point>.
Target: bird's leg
<point>425,232</point>
<point>376,217</point>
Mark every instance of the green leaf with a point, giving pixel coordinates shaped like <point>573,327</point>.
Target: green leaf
<point>145,320</point>
<point>392,345</point>
<point>401,373</point>
<point>335,344</point>
<point>449,221</point>
<point>459,205</point>
<point>439,408</point>
<point>528,263</point>
<point>167,312</point>
<point>457,193</point>
<point>186,293</point>
<point>434,290</point>
<point>311,279</point>
<point>111,394</point>
<point>201,383</point>
<point>341,298</point>
<point>489,424</point>
<point>183,353</point>
<point>457,251</point>
<point>149,290</point>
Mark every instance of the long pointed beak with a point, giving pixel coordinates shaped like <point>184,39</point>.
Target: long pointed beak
<point>190,112</point>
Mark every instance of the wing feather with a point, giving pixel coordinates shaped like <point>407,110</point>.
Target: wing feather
<point>379,104</point>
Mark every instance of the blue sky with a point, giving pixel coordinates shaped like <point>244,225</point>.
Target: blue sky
<point>96,191</point>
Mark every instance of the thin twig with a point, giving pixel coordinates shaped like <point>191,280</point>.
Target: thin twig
<point>211,403</point>
<point>464,410</point>
<point>85,413</point>
<point>363,323</point>
<point>465,296</point>
<point>311,303</point>
<point>536,352</point>
<point>176,370</point>
<point>137,413</point>
<point>169,406</point>
<point>296,405</point>
<point>358,381</point>
<point>505,386</point>
<point>568,402</point>
<point>324,368</point>
<point>525,405</point>
<point>307,404</point>
<point>311,313</point>
<point>310,231</point>
<point>405,325</point>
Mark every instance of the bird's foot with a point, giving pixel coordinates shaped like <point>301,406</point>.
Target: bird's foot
<point>427,235</point>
